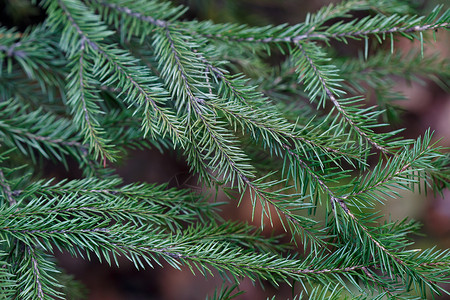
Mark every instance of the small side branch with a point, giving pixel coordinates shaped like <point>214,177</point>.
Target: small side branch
<point>395,29</point>
<point>336,103</point>
<point>36,272</point>
<point>310,35</point>
<point>134,14</point>
<point>283,133</point>
<point>137,86</point>
<point>389,178</point>
<point>7,189</point>
<point>341,202</point>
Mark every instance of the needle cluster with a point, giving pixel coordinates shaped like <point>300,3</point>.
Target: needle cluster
<point>100,77</point>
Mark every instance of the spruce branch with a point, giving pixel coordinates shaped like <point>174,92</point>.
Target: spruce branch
<point>379,25</point>
<point>137,203</point>
<point>362,232</point>
<point>270,124</point>
<point>195,104</point>
<point>100,77</point>
<point>52,137</point>
<point>6,189</point>
<point>193,246</point>
<point>398,171</point>
<point>126,8</point>
<point>140,89</point>
<point>34,276</point>
<point>165,25</point>
<point>320,81</point>
<point>45,65</point>
<point>238,171</point>
<point>382,25</point>
<point>189,94</point>
<point>83,100</point>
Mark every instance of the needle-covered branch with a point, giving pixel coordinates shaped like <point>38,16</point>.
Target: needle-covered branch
<point>274,115</point>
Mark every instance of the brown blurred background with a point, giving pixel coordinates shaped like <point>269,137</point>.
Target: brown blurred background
<point>427,106</point>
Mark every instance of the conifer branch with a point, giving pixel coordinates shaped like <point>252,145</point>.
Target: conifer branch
<point>134,14</point>
<point>40,293</point>
<point>101,77</point>
<point>36,279</point>
<point>378,25</point>
<point>190,95</point>
<point>271,122</point>
<point>136,84</point>
<point>397,171</point>
<point>6,189</point>
<point>342,111</point>
<point>196,105</point>
<point>51,136</point>
<point>340,201</point>
<point>81,94</point>
<point>363,33</point>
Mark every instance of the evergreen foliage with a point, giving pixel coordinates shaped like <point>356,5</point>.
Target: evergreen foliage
<point>99,77</point>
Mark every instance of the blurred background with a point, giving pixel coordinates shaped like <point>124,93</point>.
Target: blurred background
<point>427,105</point>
